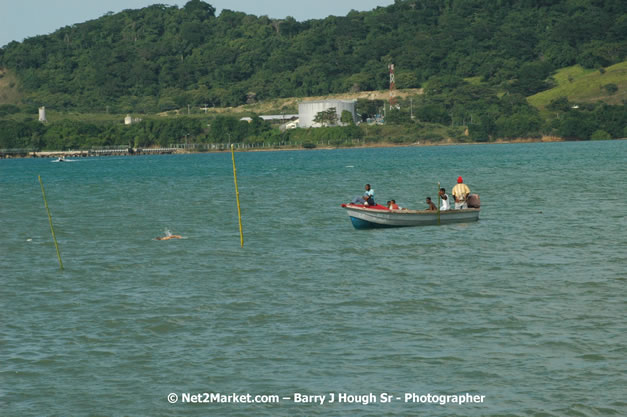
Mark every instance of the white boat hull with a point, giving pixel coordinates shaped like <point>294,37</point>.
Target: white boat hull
<point>366,218</point>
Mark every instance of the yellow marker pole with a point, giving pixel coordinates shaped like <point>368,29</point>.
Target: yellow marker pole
<point>239,211</point>
<point>438,203</point>
<point>56,245</point>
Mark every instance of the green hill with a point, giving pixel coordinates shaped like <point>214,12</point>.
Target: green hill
<point>469,70</point>
<point>163,57</point>
<point>580,85</point>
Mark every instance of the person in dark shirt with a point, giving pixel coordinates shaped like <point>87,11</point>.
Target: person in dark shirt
<point>369,196</point>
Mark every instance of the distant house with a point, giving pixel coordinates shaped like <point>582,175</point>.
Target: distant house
<point>273,118</point>
<point>128,120</point>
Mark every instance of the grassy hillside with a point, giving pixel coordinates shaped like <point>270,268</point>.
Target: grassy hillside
<point>9,92</point>
<point>287,105</point>
<point>290,104</point>
<point>582,85</point>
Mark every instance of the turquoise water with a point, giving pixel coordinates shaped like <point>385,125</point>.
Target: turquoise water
<point>526,307</point>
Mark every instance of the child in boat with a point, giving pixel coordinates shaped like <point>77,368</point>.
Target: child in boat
<point>431,205</point>
<point>392,205</point>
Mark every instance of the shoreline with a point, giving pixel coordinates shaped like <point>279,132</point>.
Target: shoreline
<point>544,139</point>
<point>83,153</point>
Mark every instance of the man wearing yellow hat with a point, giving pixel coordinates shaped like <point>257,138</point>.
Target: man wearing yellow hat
<point>460,192</point>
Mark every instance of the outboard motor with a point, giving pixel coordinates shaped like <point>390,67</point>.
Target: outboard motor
<point>473,201</point>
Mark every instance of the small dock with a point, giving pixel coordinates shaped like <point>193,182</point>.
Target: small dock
<point>28,153</point>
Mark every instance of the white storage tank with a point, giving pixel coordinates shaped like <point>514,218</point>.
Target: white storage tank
<point>307,110</point>
<point>42,114</point>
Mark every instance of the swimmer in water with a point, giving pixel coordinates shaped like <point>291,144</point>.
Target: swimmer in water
<point>169,237</point>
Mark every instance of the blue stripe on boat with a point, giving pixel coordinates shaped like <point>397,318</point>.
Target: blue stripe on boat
<point>364,224</point>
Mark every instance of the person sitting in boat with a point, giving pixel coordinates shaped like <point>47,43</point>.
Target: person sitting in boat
<point>460,192</point>
<point>444,203</point>
<point>392,205</point>
<point>369,196</point>
<point>432,206</point>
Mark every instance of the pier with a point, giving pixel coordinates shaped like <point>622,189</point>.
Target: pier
<point>171,149</point>
<point>29,153</point>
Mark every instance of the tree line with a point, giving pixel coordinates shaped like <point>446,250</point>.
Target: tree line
<point>434,119</point>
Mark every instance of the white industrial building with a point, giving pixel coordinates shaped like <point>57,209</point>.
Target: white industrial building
<point>307,110</point>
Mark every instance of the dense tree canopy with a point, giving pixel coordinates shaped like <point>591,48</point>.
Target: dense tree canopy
<point>164,57</point>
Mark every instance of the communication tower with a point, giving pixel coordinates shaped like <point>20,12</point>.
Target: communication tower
<point>392,86</point>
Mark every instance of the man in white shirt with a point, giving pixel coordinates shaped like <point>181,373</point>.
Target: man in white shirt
<point>444,203</point>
